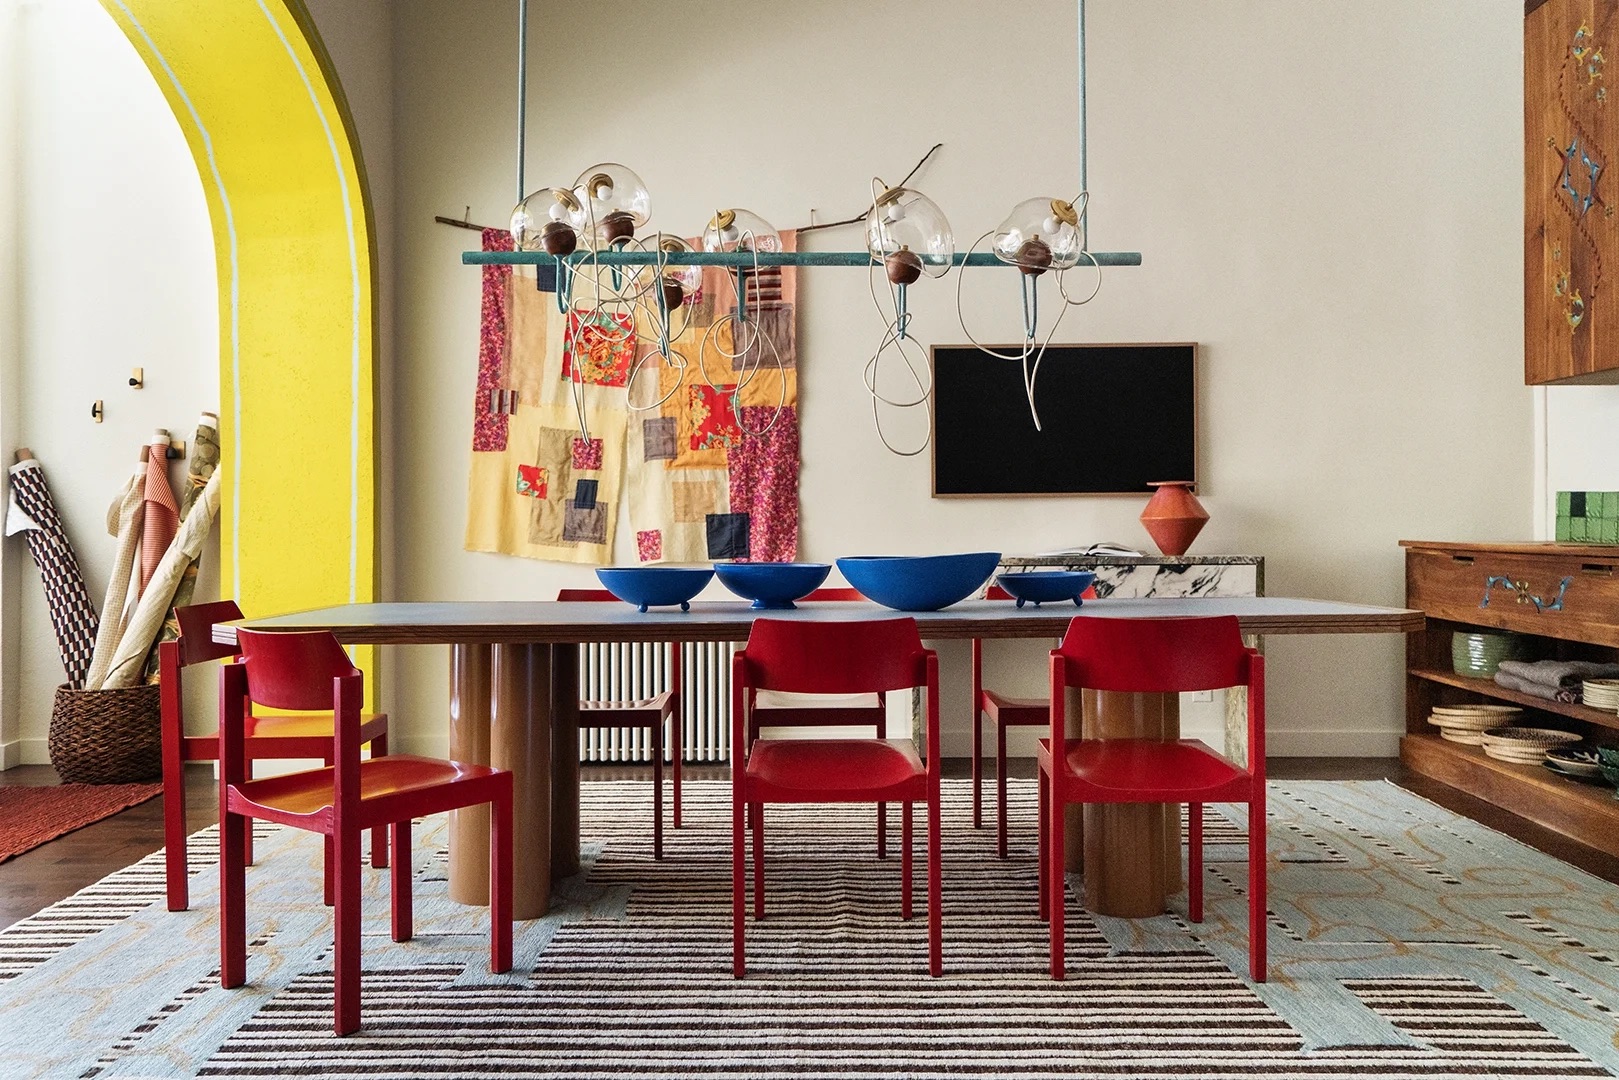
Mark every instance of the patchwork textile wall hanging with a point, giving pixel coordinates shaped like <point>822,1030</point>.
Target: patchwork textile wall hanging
<point>703,439</point>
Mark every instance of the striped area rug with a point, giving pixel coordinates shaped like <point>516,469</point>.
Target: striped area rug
<point>1382,967</point>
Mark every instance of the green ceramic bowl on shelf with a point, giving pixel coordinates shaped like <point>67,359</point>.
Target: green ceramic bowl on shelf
<point>1479,653</point>
<point>1608,762</point>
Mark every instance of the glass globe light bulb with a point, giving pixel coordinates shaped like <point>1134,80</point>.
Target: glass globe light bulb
<point>740,230</point>
<point>680,283</point>
<point>616,201</point>
<point>547,220</point>
<point>1040,235</point>
<point>904,222</point>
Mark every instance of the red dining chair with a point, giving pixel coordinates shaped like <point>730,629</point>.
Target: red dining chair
<point>832,658</point>
<point>651,713</point>
<point>1003,712</point>
<point>1153,656</point>
<point>297,735</point>
<point>770,709</point>
<point>308,671</point>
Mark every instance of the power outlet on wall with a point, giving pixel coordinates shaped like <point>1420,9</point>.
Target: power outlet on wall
<point>1202,695</point>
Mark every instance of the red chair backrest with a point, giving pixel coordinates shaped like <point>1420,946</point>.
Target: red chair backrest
<point>584,594</point>
<point>997,593</point>
<point>197,643</point>
<point>293,670</point>
<point>858,657</point>
<point>835,593</point>
<point>1154,655</point>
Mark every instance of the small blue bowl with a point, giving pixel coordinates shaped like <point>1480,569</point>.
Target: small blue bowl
<point>655,586</point>
<point>773,585</point>
<point>921,582</point>
<point>1047,586</point>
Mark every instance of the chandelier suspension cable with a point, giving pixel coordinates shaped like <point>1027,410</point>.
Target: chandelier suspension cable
<point>522,93</point>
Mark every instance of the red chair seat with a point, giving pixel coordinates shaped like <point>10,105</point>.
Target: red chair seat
<point>1011,710</point>
<point>835,770</point>
<point>1137,770</point>
<point>312,725</point>
<point>308,793</point>
<point>775,699</point>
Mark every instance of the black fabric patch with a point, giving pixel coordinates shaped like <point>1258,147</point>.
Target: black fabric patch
<point>727,536</point>
<point>584,495</point>
<point>1576,504</point>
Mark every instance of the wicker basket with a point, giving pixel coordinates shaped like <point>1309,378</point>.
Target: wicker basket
<point>106,736</point>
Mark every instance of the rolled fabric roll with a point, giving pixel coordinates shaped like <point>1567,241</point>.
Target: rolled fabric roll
<point>32,511</point>
<point>162,518</point>
<point>130,510</point>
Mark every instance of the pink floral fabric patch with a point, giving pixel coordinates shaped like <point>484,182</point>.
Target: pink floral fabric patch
<point>489,426</point>
<point>587,453</point>
<point>649,544</point>
<point>764,483</point>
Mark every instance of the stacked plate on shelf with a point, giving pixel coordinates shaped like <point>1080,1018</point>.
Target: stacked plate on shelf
<point>1468,723</point>
<point>1579,761</point>
<point>1602,694</point>
<point>1524,745</point>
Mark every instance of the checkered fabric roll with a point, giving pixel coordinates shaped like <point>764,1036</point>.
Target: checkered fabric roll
<point>72,614</point>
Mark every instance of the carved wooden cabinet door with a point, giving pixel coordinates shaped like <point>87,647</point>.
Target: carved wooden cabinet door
<point>1571,203</point>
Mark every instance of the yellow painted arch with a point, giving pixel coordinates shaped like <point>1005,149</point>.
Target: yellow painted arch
<point>261,107</point>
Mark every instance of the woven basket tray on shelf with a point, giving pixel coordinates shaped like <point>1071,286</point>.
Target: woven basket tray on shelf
<point>106,736</point>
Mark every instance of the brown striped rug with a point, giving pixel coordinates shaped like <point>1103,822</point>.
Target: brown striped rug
<point>1383,967</point>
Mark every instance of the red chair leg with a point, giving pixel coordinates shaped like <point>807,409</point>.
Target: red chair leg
<point>905,861</point>
<point>882,830</point>
<point>328,875</point>
<point>657,790</point>
<point>978,768</point>
<point>1000,789</point>
<point>233,900</point>
<point>346,921</point>
<point>379,835</point>
<point>679,753</point>
<point>935,889</point>
<point>176,871</point>
<point>738,872</point>
<point>247,837</point>
<point>756,814</point>
<point>399,878</point>
<point>1194,862</point>
<point>500,880</point>
<point>1057,887</point>
<point>1258,922</point>
<point>1040,847</point>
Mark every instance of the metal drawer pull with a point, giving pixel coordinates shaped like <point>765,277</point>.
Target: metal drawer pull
<point>1521,589</point>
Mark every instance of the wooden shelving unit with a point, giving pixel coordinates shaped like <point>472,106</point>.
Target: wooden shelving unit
<point>1450,583</point>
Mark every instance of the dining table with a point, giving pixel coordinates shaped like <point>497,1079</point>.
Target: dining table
<point>514,703</point>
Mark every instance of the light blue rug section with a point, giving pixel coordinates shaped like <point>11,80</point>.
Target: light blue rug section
<point>1404,941</point>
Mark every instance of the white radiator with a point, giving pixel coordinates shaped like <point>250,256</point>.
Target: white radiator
<point>625,672</point>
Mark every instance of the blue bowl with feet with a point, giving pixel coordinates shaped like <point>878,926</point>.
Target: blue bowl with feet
<point>655,586</point>
<point>1047,586</point>
<point>772,585</point>
<point>919,582</point>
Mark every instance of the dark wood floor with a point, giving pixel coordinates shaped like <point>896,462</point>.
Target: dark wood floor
<point>41,877</point>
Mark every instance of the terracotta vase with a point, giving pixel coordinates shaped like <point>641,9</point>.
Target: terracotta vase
<point>1173,516</point>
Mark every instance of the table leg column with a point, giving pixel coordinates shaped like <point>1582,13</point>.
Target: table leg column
<point>522,744</point>
<point>564,723</point>
<point>470,668</point>
<point>1130,852</point>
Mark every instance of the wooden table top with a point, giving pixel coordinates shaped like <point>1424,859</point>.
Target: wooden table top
<point>548,622</point>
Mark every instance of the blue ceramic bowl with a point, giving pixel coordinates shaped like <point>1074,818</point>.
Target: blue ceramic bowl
<point>655,586</point>
<point>919,583</point>
<point>772,584</point>
<point>1047,586</point>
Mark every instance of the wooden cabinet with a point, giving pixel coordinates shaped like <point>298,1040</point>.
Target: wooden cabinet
<point>1567,596</point>
<point>1571,203</point>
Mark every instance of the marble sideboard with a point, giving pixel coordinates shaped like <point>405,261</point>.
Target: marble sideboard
<point>1128,576</point>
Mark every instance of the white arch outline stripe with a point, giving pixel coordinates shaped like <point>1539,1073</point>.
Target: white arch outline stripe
<point>354,310</point>
<point>235,293</point>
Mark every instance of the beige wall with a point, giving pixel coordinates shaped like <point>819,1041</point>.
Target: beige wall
<point>1326,195</point>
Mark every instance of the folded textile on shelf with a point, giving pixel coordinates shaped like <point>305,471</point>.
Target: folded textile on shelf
<point>1549,691</point>
<point>1558,674</point>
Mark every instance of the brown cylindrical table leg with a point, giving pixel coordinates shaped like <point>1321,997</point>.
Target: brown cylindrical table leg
<point>470,669</point>
<point>522,744</point>
<point>1129,852</point>
<point>564,725</point>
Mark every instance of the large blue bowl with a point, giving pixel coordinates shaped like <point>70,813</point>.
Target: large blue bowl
<point>655,586</point>
<point>772,584</point>
<point>921,582</point>
<point>1047,586</point>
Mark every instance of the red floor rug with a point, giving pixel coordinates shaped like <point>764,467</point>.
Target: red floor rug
<point>30,816</point>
